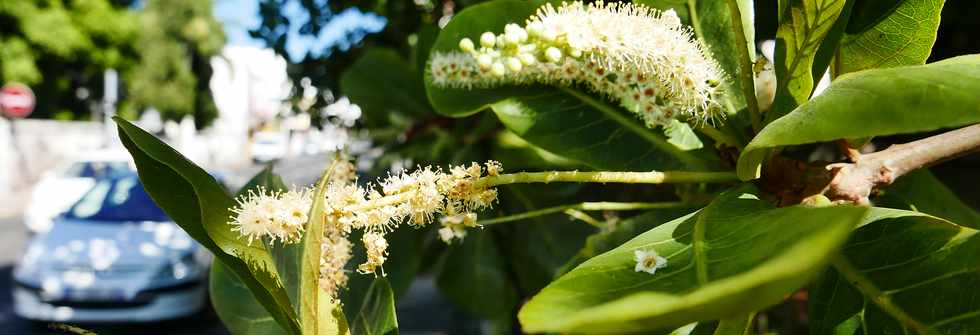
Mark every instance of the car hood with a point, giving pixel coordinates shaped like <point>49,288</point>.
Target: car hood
<point>90,253</point>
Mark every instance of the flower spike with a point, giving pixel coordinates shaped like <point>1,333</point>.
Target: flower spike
<point>644,59</point>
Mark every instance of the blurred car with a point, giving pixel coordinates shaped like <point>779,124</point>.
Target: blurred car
<point>62,186</point>
<point>269,146</point>
<point>113,256</point>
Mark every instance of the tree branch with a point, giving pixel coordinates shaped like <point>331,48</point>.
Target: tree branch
<point>855,182</point>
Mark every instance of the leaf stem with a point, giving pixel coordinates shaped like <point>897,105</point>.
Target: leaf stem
<point>746,74</point>
<point>652,177</point>
<point>863,284</point>
<point>720,137</point>
<point>584,206</point>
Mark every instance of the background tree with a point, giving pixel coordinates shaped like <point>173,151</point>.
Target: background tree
<point>61,48</point>
<point>177,40</point>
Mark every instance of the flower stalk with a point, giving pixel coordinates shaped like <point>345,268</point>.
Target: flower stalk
<point>584,206</point>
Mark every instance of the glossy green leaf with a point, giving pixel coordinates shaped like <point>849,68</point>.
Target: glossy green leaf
<point>873,103</point>
<point>200,206</point>
<point>382,83</point>
<point>868,13</point>
<point>920,191</point>
<point>798,38</point>
<point>903,37</point>
<point>565,122</point>
<point>737,255</point>
<point>594,132</point>
<point>626,230</point>
<point>377,316</point>
<point>238,309</point>
<point>904,273</point>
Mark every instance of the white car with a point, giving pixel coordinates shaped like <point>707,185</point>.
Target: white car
<point>114,256</point>
<point>62,186</point>
<point>269,146</point>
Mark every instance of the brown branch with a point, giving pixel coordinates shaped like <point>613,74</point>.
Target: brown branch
<point>793,182</point>
<point>855,182</point>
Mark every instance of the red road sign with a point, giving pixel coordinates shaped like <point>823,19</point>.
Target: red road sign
<point>16,100</point>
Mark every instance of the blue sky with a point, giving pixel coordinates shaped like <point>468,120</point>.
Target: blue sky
<point>238,16</point>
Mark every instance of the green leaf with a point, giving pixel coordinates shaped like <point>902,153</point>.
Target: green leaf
<point>237,307</point>
<point>873,103</point>
<point>624,231</point>
<point>903,37</point>
<point>868,13</point>
<point>920,191</point>
<point>798,37</point>
<point>377,316</point>
<point>736,325</point>
<point>903,273</point>
<point>473,275</point>
<point>200,206</point>
<point>319,314</point>
<point>682,136</point>
<point>578,126</point>
<point>715,24</point>
<point>735,256</point>
<point>563,121</point>
<point>382,83</point>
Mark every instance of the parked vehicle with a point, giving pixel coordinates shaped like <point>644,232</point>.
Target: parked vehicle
<point>113,256</point>
<point>62,186</point>
<point>269,146</point>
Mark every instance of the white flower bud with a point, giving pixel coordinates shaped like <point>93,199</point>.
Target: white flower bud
<point>552,54</point>
<point>466,45</point>
<point>535,29</point>
<point>576,53</point>
<point>511,38</point>
<point>549,34</point>
<point>498,69</point>
<point>514,64</point>
<point>527,59</point>
<point>488,39</point>
<point>484,61</point>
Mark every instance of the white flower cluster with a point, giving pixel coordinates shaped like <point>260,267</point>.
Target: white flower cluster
<point>415,198</point>
<point>280,216</point>
<point>643,58</point>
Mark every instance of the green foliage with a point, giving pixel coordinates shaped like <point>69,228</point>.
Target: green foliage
<point>900,268</point>
<point>177,40</point>
<point>385,86</point>
<point>798,38</point>
<point>904,272</point>
<point>888,34</point>
<point>377,316</point>
<point>198,204</point>
<point>873,103</point>
<point>58,47</point>
<point>736,254</point>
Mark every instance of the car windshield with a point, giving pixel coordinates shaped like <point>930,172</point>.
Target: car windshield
<point>117,200</point>
<point>96,169</point>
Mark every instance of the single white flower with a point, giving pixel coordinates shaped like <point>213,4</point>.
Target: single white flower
<point>648,261</point>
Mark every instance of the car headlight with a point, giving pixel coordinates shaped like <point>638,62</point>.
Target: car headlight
<point>186,267</point>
